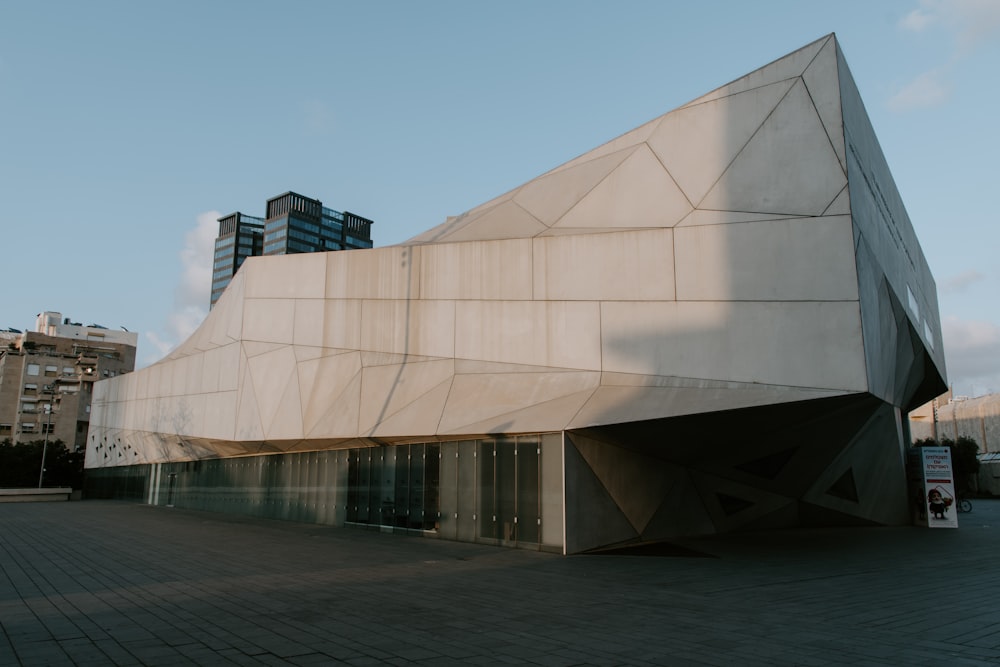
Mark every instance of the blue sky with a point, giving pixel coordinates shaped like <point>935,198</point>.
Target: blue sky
<point>127,128</point>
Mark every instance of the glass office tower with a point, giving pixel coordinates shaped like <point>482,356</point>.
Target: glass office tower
<point>299,224</point>
<point>240,236</point>
<point>292,224</point>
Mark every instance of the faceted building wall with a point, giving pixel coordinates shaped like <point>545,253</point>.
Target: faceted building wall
<point>724,312</point>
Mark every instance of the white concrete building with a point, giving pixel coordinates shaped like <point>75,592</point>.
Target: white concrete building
<point>715,321</point>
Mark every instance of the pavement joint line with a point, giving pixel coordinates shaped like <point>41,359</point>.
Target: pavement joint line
<point>119,583</point>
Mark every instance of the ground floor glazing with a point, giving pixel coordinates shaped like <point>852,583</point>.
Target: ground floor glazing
<point>505,490</point>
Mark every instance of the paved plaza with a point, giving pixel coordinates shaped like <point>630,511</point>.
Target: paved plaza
<point>115,583</point>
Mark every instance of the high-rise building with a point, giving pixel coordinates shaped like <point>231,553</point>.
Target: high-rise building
<point>47,377</point>
<point>292,224</point>
<point>240,236</point>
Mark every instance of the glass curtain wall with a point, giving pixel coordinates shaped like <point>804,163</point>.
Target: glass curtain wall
<point>505,490</point>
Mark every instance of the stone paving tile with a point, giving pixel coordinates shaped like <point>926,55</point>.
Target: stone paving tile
<point>105,583</point>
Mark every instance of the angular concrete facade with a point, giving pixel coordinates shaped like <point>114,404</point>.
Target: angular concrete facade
<point>725,313</point>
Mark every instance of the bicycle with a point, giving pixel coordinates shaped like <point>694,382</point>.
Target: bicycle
<point>964,505</point>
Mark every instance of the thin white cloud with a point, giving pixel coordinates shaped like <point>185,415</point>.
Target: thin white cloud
<point>917,20</point>
<point>962,281</point>
<point>927,90</point>
<point>967,23</point>
<point>972,354</point>
<point>973,21</point>
<point>193,289</point>
<point>196,261</point>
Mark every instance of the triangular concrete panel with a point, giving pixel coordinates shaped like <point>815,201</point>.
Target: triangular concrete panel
<point>639,193</point>
<point>697,144</point>
<point>822,80</point>
<point>371,359</point>
<point>388,389</point>
<point>248,425</point>
<point>321,383</point>
<point>547,198</point>
<point>759,503</point>
<point>456,222</point>
<point>788,167</point>
<point>550,415</point>
<point>341,417</point>
<point>271,374</point>
<point>235,291</point>
<point>841,205</point>
<point>507,221</point>
<point>593,519</point>
<point>199,340</point>
<point>579,231</point>
<point>627,140</point>
<point>308,352</point>
<point>475,366</point>
<point>480,397</point>
<point>253,348</point>
<point>703,217</point>
<point>681,512</point>
<point>874,459</point>
<point>786,67</point>
<point>845,488</point>
<point>419,417</point>
<point>637,483</point>
<point>287,419</point>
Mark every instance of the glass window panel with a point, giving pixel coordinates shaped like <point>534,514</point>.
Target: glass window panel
<point>353,478</point>
<point>487,515</point>
<point>387,489</point>
<point>323,507</point>
<point>402,483</point>
<point>505,490</point>
<point>415,508</point>
<point>527,489</point>
<point>432,486</point>
<point>552,489</point>
<point>369,476</point>
<point>340,488</point>
<point>468,511</point>
<point>448,492</point>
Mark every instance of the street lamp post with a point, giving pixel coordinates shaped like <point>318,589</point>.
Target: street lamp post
<point>45,441</point>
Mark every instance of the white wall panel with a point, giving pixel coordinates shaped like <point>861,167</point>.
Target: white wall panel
<point>636,265</point>
<point>794,344</point>
<point>777,260</point>
<point>564,334</point>
<point>308,322</point>
<point>300,276</point>
<point>380,273</point>
<point>425,328</point>
<point>342,324</point>
<point>269,320</point>
<point>476,270</point>
<point>220,415</point>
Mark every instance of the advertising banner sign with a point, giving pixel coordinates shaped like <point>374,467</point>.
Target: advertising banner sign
<point>939,487</point>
